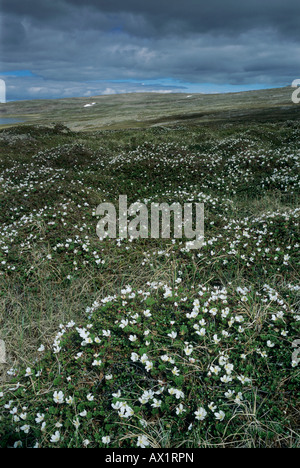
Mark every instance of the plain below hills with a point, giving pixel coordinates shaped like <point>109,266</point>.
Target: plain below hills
<point>144,110</point>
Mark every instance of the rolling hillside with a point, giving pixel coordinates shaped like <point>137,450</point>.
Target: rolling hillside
<point>150,109</point>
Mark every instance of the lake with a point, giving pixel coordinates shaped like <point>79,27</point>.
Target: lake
<point>4,121</point>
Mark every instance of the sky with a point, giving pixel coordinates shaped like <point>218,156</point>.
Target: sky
<point>70,48</point>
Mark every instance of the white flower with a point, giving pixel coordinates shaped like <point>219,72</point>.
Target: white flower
<point>172,335</point>
<point>223,360</point>
<point>244,379</point>
<point>193,314</point>
<point>229,368</point>
<point>106,440</point>
<point>212,407</point>
<point>226,378</point>
<point>188,350</point>
<point>58,397</point>
<point>215,370</point>
<point>18,444</point>
<point>123,323</point>
<point>97,362</point>
<point>156,403</point>
<point>200,414</point>
<point>164,358</point>
<point>178,393</point>
<point>134,357</point>
<point>76,423</point>
<point>133,338</point>
<point>143,441</point>
<point>28,372</point>
<point>168,293</point>
<point>39,418</point>
<point>25,428</point>
<point>149,366</point>
<point>180,409</point>
<point>229,394</point>
<point>144,359</point>
<point>216,339</point>
<point>129,412</point>
<point>220,415</point>
<point>55,437</point>
<point>239,398</point>
<point>143,400</point>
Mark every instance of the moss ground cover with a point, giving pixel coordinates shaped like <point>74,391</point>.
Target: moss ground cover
<point>145,343</point>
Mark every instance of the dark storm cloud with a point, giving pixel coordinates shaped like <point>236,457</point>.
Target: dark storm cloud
<point>216,41</point>
<point>225,16</point>
<point>228,17</point>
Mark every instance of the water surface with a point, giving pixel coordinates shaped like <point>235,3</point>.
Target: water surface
<point>6,121</point>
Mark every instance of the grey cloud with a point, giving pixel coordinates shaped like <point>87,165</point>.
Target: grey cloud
<point>163,16</point>
<point>227,16</point>
<point>218,41</point>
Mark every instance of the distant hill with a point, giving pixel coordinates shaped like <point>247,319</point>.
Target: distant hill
<point>140,110</point>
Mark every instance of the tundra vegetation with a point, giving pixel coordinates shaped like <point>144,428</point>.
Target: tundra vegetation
<point>142,342</point>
